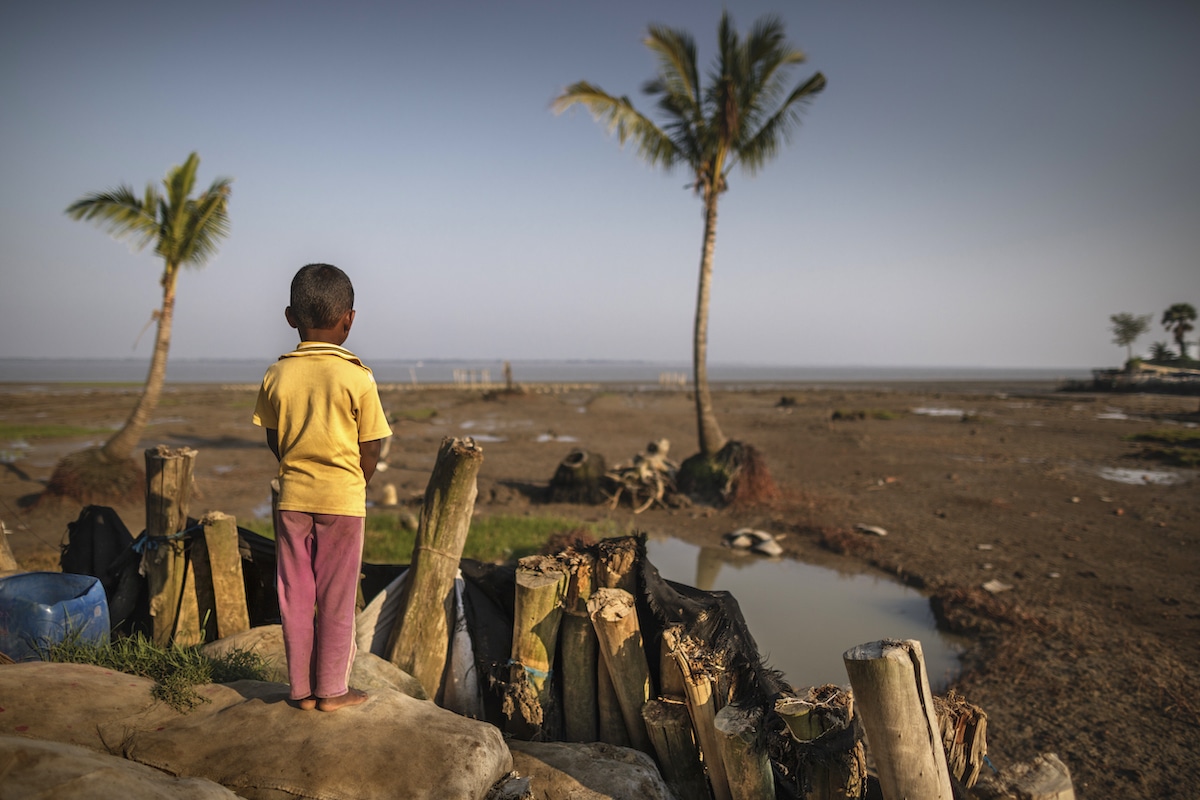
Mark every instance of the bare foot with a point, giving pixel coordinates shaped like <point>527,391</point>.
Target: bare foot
<point>308,703</point>
<point>352,697</point>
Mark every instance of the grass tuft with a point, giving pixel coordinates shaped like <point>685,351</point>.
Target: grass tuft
<point>1178,447</point>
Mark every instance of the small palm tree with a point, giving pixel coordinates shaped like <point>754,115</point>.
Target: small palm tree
<point>1160,352</point>
<point>1178,321</point>
<point>185,231</point>
<point>741,118</point>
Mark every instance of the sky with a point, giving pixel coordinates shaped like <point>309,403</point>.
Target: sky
<point>981,184</point>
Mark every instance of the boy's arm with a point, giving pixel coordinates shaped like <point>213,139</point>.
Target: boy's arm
<point>368,457</point>
<point>273,441</point>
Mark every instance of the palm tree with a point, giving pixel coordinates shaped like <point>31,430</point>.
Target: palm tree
<point>1160,352</point>
<point>1178,321</point>
<point>741,118</point>
<point>185,231</point>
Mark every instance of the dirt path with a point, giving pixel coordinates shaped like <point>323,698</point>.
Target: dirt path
<point>1090,654</point>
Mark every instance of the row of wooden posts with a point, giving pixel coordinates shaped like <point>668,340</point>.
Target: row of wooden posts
<point>579,609</point>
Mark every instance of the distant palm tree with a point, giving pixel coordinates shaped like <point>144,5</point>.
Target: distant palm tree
<point>1178,321</point>
<point>185,231</point>
<point>1159,351</point>
<point>741,118</point>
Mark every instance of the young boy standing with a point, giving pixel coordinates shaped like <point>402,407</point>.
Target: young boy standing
<point>324,422</point>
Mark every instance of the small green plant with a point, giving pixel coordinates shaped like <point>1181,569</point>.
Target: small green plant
<point>175,670</point>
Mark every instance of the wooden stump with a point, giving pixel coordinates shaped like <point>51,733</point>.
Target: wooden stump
<point>834,763</point>
<point>168,495</point>
<point>220,587</point>
<point>964,735</point>
<point>420,638</point>
<point>670,730</point>
<point>702,704</point>
<point>541,585</point>
<point>891,690</point>
<point>579,651</point>
<point>579,478</point>
<point>744,753</point>
<point>614,616</point>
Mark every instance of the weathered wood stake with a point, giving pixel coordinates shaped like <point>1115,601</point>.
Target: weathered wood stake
<point>702,706</point>
<point>614,616</point>
<point>537,612</point>
<point>220,587</point>
<point>579,653</point>
<point>168,495</point>
<point>815,720</point>
<point>744,753</point>
<point>891,690</point>
<point>670,730</point>
<point>420,637</point>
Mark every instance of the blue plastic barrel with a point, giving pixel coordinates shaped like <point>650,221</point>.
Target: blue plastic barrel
<point>38,609</point>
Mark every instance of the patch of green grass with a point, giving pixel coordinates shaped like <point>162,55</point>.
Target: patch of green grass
<point>415,414</point>
<point>176,671</point>
<point>1181,445</point>
<point>863,413</point>
<point>494,539</point>
<point>1185,437</point>
<point>11,431</point>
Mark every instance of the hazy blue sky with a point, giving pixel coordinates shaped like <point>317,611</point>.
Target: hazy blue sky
<point>982,183</point>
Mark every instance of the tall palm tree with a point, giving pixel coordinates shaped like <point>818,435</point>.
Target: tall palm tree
<point>185,231</point>
<point>1178,321</point>
<point>740,118</point>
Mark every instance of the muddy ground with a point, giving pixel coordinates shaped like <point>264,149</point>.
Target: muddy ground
<point>1090,654</point>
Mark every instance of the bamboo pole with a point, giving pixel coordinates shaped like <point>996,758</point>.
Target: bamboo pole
<point>578,646</point>
<point>614,616</point>
<point>541,585</point>
<point>220,587</point>
<point>609,719</point>
<point>744,753</point>
<point>892,693</point>
<point>616,564</point>
<point>168,495</point>
<point>670,730</point>
<point>836,768</point>
<point>420,637</point>
<point>702,706</point>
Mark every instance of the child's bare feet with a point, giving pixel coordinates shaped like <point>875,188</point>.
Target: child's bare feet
<point>352,697</point>
<point>308,703</point>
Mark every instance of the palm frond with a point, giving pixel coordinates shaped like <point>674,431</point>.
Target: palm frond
<point>120,213</point>
<point>619,115</point>
<point>763,145</point>
<point>677,74</point>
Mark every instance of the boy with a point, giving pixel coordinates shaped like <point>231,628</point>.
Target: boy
<point>324,422</point>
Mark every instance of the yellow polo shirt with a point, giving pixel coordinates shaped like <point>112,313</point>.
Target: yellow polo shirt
<point>323,401</point>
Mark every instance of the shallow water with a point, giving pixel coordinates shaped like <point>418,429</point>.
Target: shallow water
<point>804,617</point>
<point>1141,477</point>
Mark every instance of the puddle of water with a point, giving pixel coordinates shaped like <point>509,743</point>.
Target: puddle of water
<point>1112,415</point>
<point>487,437</point>
<point>804,617</point>
<point>550,437</point>
<point>938,412</point>
<point>1141,477</point>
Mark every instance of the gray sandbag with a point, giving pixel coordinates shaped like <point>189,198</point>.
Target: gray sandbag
<point>369,670</point>
<point>596,771</point>
<point>36,769</point>
<point>250,740</point>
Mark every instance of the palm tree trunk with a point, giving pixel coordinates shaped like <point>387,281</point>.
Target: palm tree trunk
<point>711,438</point>
<point>123,442</point>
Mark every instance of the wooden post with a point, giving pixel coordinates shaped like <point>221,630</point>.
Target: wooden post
<point>8,562</point>
<point>609,719</point>
<point>702,706</point>
<point>744,753</point>
<point>616,564</point>
<point>579,651</point>
<point>537,612</point>
<point>420,637</point>
<point>964,735</point>
<point>168,495</point>
<point>891,690</point>
<point>614,617</point>
<point>826,712</point>
<point>670,730</point>
<point>220,588</point>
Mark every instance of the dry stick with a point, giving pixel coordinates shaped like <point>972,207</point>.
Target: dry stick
<point>168,494</point>
<point>891,690</point>
<point>220,587</point>
<point>670,730</point>
<point>577,642</point>
<point>420,637</point>
<point>744,753</point>
<point>614,616</point>
<point>702,705</point>
<point>537,610</point>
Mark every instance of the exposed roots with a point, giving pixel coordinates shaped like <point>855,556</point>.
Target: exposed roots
<point>91,477</point>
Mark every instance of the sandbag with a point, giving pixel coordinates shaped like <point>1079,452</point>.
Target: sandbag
<point>37,769</point>
<point>250,740</point>
<point>596,771</point>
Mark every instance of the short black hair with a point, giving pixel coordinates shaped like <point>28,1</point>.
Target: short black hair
<point>321,294</point>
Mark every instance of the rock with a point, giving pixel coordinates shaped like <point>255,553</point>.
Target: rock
<point>250,740</point>
<point>369,671</point>
<point>759,542</point>
<point>873,530</point>
<point>596,771</point>
<point>36,769</point>
<point>995,587</point>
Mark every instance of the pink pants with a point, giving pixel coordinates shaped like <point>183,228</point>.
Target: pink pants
<point>318,559</point>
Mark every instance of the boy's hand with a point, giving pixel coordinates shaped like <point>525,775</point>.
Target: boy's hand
<point>368,457</point>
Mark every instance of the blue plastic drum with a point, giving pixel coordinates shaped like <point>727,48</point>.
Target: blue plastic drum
<point>38,609</point>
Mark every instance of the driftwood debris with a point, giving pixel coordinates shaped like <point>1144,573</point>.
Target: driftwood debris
<point>420,638</point>
<point>647,480</point>
<point>964,735</point>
